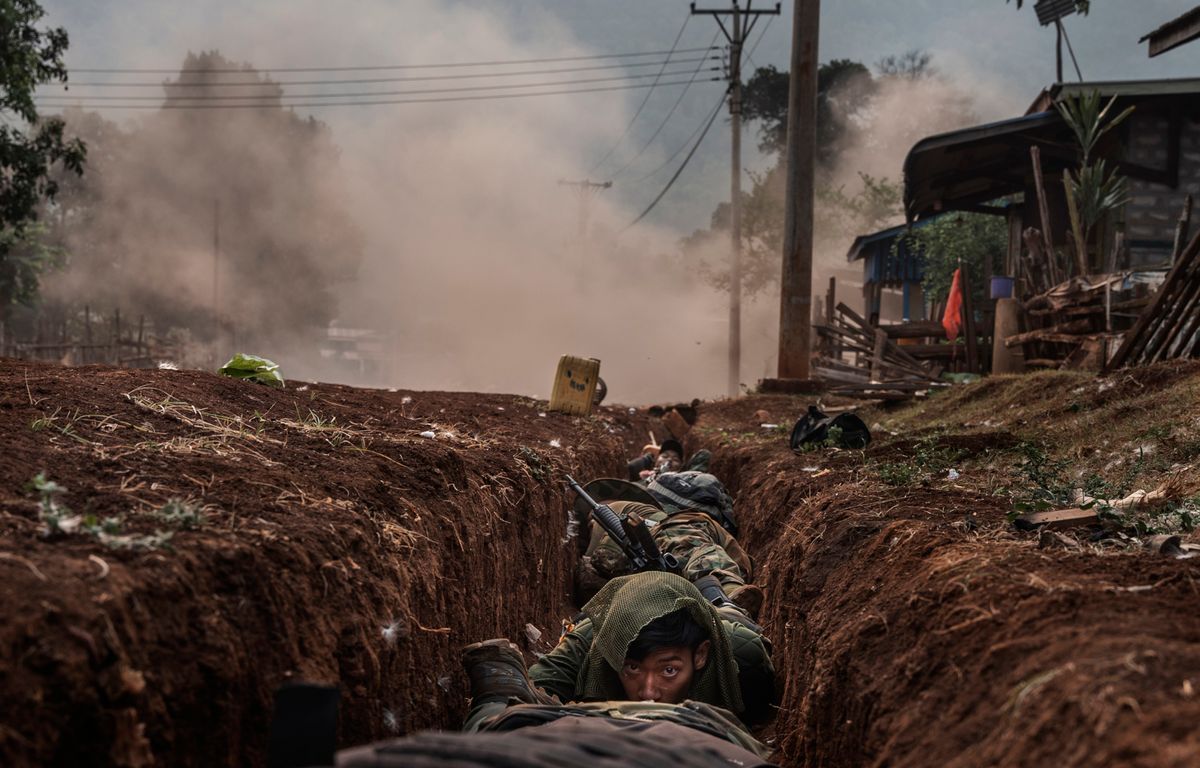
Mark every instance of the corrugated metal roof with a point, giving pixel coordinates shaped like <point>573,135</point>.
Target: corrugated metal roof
<point>1134,89</point>
<point>985,162</point>
<point>1174,33</point>
<point>863,241</point>
<point>974,165</point>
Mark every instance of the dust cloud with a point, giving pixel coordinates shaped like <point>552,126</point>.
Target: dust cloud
<point>426,246</point>
<point>877,134</point>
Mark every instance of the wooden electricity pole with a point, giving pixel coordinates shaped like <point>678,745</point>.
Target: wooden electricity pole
<point>795,316</point>
<point>586,190</point>
<point>216,279</point>
<point>742,21</point>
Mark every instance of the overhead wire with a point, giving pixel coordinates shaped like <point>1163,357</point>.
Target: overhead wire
<point>661,125</point>
<point>645,99</point>
<point>384,67</point>
<point>368,94</point>
<point>699,127</point>
<point>679,170</point>
<point>281,104</point>
<point>371,80</point>
<point>761,35</point>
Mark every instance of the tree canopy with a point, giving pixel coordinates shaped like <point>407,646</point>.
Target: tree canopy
<point>839,82</point>
<point>147,214</point>
<point>30,146</point>
<point>958,239</point>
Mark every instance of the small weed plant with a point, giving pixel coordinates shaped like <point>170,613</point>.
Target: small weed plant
<point>1045,485</point>
<point>929,459</point>
<point>58,521</point>
<point>538,466</point>
<point>54,514</point>
<point>1176,517</point>
<point>178,514</point>
<point>833,438</point>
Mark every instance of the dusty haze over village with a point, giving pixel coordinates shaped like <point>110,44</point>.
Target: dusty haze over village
<point>532,383</point>
<point>460,246</point>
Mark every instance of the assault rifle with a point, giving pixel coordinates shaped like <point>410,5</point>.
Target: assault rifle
<point>630,534</point>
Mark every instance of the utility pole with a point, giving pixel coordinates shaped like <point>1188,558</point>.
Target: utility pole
<point>741,22</point>
<point>795,317</point>
<point>585,190</point>
<point>216,279</point>
<point>1058,50</point>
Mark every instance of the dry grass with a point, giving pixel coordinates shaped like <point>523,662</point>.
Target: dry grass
<point>164,404</point>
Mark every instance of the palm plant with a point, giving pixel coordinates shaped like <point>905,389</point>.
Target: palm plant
<point>1094,190</point>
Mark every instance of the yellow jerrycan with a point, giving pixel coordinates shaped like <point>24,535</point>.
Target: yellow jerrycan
<point>575,385</point>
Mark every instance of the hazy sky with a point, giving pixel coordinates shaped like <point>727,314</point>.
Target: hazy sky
<point>460,204</point>
<point>986,46</point>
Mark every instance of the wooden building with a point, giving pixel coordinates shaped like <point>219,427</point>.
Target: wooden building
<point>1157,148</point>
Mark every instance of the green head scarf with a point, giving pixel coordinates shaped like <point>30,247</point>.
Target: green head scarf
<point>624,606</point>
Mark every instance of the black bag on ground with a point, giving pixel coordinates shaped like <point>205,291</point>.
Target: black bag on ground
<point>814,426</point>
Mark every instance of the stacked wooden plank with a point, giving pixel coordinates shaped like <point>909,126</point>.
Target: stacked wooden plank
<point>1070,325</point>
<point>1170,327</point>
<point>882,370</point>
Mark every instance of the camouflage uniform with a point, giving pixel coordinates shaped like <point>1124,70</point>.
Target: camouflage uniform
<point>700,544</point>
<point>584,664</point>
<point>692,518</point>
<point>606,732</point>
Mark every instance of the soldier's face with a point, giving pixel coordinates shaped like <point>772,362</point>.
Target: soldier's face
<point>669,461</point>
<point>665,674</point>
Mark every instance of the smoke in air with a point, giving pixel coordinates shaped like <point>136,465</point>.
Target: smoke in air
<point>442,228</point>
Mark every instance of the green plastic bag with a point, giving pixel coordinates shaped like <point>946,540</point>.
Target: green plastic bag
<point>254,368</point>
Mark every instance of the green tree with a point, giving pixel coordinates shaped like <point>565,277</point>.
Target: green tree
<point>840,84</point>
<point>848,118</point>
<point>954,240</point>
<point>139,228</point>
<point>910,65</point>
<point>30,146</point>
<point>843,88</point>
<point>873,207</point>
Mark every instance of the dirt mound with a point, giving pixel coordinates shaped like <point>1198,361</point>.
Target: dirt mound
<point>226,538</point>
<point>914,626</point>
<point>325,533</point>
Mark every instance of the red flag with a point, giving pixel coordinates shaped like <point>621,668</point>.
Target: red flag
<point>952,317</point>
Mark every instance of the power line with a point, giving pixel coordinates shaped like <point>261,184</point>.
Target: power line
<point>741,26</point>
<point>641,106</point>
<point>683,146</point>
<point>686,160</point>
<point>370,80</point>
<point>281,105</point>
<point>371,94</point>
<point>761,35</point>
<point>661,125</point>
<point>377,68</point>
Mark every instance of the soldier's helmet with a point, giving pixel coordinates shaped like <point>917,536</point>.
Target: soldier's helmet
<point>679,491</point>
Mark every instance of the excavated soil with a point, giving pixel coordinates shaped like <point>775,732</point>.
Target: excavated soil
<point>337,545</point>
<point>913,625</point>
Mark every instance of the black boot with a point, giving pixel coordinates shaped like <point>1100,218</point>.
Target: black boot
<point>730,609</point>
<point>497,672</point>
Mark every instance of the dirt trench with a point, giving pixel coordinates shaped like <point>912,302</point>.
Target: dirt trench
<point>339,542</point>
<point>915,626</point>
<point>336,535</point>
